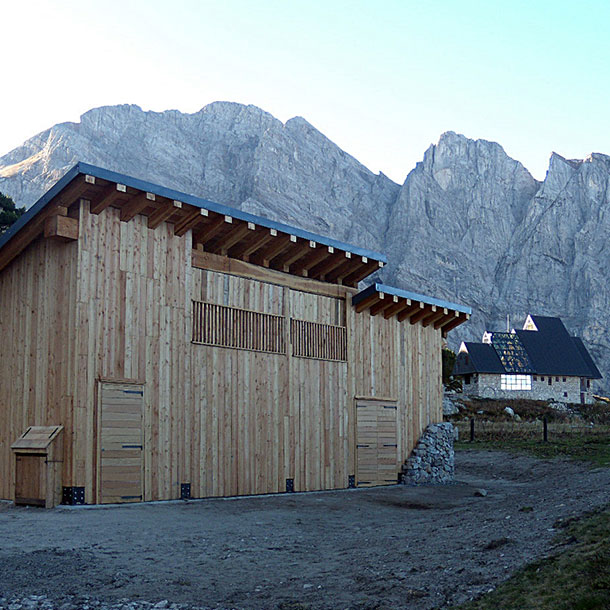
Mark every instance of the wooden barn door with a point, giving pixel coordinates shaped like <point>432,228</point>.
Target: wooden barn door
<point>121,442</point>
<point>376,445</point>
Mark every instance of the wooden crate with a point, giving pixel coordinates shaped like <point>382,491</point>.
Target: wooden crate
<point>38,466</point>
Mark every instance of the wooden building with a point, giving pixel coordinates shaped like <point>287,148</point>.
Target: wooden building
<point>189,349</point>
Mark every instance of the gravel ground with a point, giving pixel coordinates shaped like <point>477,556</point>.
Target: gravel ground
<point>391,547</point>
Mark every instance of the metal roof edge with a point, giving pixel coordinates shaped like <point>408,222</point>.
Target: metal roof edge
<point>40,204</point>
<point>200,202</point>
<point>409,295</point>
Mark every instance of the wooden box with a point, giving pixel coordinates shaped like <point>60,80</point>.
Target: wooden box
<point>38,466</point>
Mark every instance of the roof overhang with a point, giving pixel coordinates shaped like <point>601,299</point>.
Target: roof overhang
<point>215,228</point>
<point>379,299</point>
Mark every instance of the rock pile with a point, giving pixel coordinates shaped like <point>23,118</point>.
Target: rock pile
<point>433,459</point>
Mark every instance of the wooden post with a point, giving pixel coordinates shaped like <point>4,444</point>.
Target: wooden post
<point>545,430</point>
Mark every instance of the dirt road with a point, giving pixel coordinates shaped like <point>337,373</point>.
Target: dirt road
<point>393,547</point>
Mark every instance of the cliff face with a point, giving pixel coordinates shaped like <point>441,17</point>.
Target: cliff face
<point>229,153</point>
<point>469,224</point>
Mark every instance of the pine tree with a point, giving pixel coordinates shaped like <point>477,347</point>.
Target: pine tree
<point>9,212</point>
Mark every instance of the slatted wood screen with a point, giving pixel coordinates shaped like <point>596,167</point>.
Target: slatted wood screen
<point>238,328</point>
<point>322,341</point>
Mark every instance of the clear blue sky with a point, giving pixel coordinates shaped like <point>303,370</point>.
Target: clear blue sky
<point>381,79</point>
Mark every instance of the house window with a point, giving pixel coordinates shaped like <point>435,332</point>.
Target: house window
<point>467,379</point>
<point>588,383</point>
<point>564,379</point>
<point>556,378</point>
<point>321,341</point>
<point>238,328</point>
<point>565,394</point>
<point>515,382</point>
<point>535,378</point>
<point>542,378</point>
<point>550,381</point>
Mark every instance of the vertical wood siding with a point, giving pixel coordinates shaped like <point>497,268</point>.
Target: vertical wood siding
<point>118,305</point>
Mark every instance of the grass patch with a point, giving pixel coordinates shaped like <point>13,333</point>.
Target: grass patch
<point>575,577</point>
<point>595,451</point>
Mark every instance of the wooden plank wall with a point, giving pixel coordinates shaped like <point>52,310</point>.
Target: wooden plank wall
<point>395,361</point>
<point>228,421</point>
<point>134,324</point>
<point>37,315</point>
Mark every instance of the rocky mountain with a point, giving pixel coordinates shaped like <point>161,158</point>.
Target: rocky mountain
<point>469,224</point>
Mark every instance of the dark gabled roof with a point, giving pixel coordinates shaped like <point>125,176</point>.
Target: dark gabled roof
<point>553,353</point>
<point>550,350</point>
<point>478,358</point>
<point>580,346</point>
<point>550,325</point>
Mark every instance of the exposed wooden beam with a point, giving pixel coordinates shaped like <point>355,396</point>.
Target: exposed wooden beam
<point>256,242</point>
<point>279,245</point>
<point>397,308</point>
<point>298,251</point>
<point>233,266</point>
<point>73,192</point>
<point>107,196</point>
<point>446,319</point>
<point>321,270</point>
<point>363,271</point>
<point>387,302</point>
<point>191,219</point>
<point>463,317</point>
<point>136,205</point>
<point>320,253</point>
<point>61,227</point>
<point>163,213</point>
<point>209,230</point>
<point>420,315</point>
<point>434,317</point>
<point>412,310</point>
<point>369,301</point>
<point>348,266</point>
<point>234,236</point>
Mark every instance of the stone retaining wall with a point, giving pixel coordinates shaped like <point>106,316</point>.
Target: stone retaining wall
<point>433,459</point>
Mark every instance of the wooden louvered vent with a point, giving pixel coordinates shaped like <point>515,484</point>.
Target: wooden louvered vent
<point>322,341</point>
<point>237,328</point>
